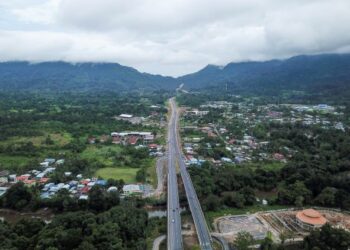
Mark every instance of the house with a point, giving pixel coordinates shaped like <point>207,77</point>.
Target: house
<point>231,141</point>
<point>132,140</point>
<point>13,178</point>
<point>101,182</point>
<point>104,138</point>
<point>60,162</point>
<point>239,159</point>
<point>29,182</point>
<point>85,190</point>
<point>152,146</point>
<point>278,157</point>
<point>4,176</point>
<point>211,134</point>
<point>3,190</point>
<point>92,140</point>
<point>67,173</point>
<point>83,197</point>
<point>125,116</point>
<point>50,160</point>
<point>45,195</point>
<point>85,182</point>
<point>44,180</point>
<point>148,138</point>
<point>132,189</point>
<point>23,177</point>
<point>116,139</point>
<point>44,164</point>
<point>112,189</point>
<point>226,159</point>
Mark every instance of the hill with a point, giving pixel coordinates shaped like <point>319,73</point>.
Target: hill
<point>317,74</point>
<point>311,74</point>
<point>62,76</point>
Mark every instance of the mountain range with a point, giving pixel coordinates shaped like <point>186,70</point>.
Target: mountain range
<point>329,72</point>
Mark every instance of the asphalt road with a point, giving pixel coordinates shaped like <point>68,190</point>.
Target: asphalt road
<point>174,220</point>
<point>203,234</point>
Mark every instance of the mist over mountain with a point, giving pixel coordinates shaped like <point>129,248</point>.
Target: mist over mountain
<point>328,72</point>
<point>296,73</point>
<point>63,76</point>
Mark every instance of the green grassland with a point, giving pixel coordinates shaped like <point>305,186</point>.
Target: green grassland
<point>152,173</point>
<point>102,154</point>
<point>127,174</point>
<point>59,139</point>
<point>14,162</point>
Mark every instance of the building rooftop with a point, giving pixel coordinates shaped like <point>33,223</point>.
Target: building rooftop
<point>311,217</point>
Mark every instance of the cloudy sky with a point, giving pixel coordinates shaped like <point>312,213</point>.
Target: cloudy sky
<point>171,37</point>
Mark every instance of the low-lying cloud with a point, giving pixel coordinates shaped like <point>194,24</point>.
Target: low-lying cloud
<point>171,37</point>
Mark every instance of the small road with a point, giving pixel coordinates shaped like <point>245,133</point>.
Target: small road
<point>157,242</point>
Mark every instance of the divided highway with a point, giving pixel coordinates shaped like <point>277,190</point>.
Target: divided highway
<point>174,220</point>
<point>204,237</point>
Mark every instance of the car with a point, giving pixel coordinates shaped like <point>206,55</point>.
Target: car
<point>172,220</point>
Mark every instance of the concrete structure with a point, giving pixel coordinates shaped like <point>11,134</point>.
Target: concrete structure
<point>309,219</point>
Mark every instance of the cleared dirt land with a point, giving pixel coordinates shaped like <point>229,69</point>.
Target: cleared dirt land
<point>277,222</point>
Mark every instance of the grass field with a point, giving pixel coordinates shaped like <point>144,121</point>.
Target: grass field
<point>127,174</point>
<point>103,154</point>
<point>59,139</point>
<point>14,160</point>
<point>152,174</point>
<point>268,166</point>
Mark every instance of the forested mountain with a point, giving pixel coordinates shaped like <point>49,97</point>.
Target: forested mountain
<point>62,76</point>
<point>310,74</point>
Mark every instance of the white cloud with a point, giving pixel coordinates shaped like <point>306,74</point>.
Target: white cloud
<point>43,12</point>
<point>173,36</point>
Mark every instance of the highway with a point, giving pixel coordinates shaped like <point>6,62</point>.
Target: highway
<point>174,220</point>
<point>175,152</point>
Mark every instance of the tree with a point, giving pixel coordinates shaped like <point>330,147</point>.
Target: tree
<point>28,227</point>
<point>296,194</point>
<point>49,141</point>
<point>243,240</point>
<point>212,202</point>
<point>97,199</point>
<point>267,243</point>
<point>327,238</point>
<point>327,197</point>
<point>233,199</point>
<point>249,195</point>
<point>141,175</point>
<point>17,197</point>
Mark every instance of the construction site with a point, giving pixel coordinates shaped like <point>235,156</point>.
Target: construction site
<point>291,224</point>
